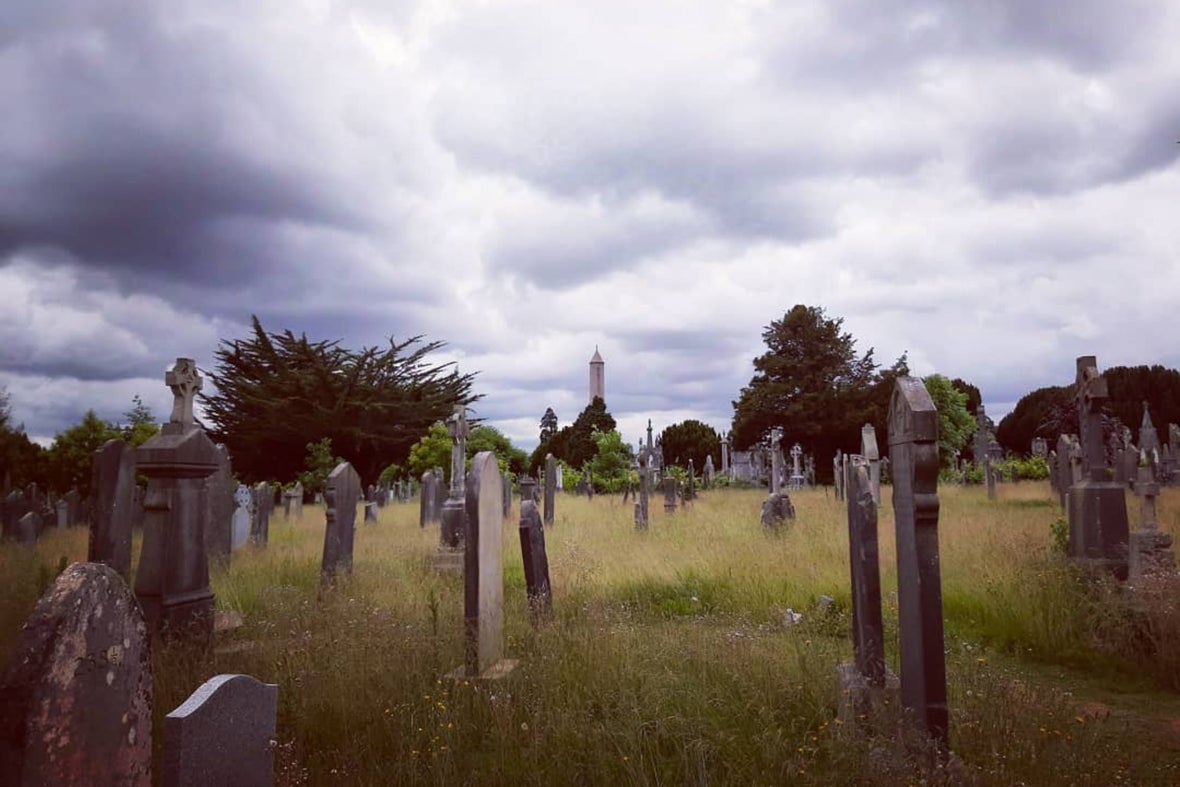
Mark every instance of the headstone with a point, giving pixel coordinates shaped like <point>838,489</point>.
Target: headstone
<point>550,488</point>
<point>454,509</point>
<point>341,494</point>
<point>776,468</point>
<point>536,563</point>
<point>28,527</point>
<point>1148,439</point>
<point>297,499</point>
<point>913,454</point>
<point>641,507</point>
<point>506,483</point>
<point>872,454</point>
<point>484,573</point>
<point>989,476</point>
<point>709,471</point>
<point>1149,548</point>
<point>371,511</point>
<point>62,513</point>
<point>838,474</point>
<point>15,507</point>
<point>76,696</point>
<point>797,480</point>
<point>222,734</point>
<point>218,508</point>
<point>172,581</point>
<point>689,491</point>
<point>725,470</point>
<point>777,509</point>
<point>670,495</point>
<point>260,522</point>
<point>241,518</point>
<point>1040,447</point>
<point>1098,530</point>
<point>427,498</point>
<point>113,482</point>
<point>1064,480</point>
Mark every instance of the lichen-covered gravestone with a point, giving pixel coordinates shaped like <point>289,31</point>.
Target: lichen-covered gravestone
<point>341,494</point>
<point>113,482</point>
<point>76,696</point>
<point>913,455</point>
<point>221,735</point>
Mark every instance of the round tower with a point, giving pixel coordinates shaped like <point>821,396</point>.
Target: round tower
<point>597,376</point>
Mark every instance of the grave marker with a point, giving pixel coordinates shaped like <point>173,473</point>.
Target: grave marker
<point>536,562</point>
<point>872,455</point>
<point>550,488</point>
<point>341,494</point>
<point>113,482</point>
<point>241,518</point>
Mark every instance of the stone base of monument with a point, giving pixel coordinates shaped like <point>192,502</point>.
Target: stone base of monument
<point>1149,552</point>
<point>498,671</point>
<point>865,709</point>
<point>448,561</point>
<point>188,615</point>
<point>1098,525</point>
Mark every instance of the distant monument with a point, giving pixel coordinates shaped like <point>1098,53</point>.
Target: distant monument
<point>597,377</point>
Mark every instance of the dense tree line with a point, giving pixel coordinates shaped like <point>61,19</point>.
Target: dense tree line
<point>574,444</point>
<point>693,440</point>
<point>277,392</point>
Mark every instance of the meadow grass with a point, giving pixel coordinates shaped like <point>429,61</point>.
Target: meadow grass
<point>668,660</point>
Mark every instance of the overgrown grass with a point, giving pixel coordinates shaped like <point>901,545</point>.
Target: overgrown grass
<point>668,660</point>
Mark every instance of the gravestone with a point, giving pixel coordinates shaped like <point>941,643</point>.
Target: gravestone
<point>797,480</point>
<point>528,489</point>
<point>61,511</point>
<point>427,498</point>
<point>688,491</point>
<point>838,474</point>
<point>872,454</point>
<point>113,482</point>
<point>1040,447</point>
<point>76,696</point>
<point>709,471</point>
<point>73,501</point>
<point>219,509</point>
<point>641,507</point>
<point>1149,549</point>
<point>28,527</point>
<point>1064,481</point>
<point>913,455</point>
<point>536,562</point>
<point>15,507</point>
<point>1098,531</point>
<point>241,518</point>
<point>989,475</point>
<point>371,507</point>
<point>550,488</point>
<point>483,574</point>
<point>506,483</point>
<point>341,494</point>
<point>777,509</point>
<point>1149,441</point>
<point>776,460</point>
<point>263,499</point>
<point>172,581</point>
<point>454,509</point>
<point>725,469</point>
<point>670,486</point>
<point>222,735</point>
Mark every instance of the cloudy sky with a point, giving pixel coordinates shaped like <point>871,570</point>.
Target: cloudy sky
<point>991,187</point>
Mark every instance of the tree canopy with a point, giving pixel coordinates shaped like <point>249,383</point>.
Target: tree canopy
<point>955,422</point>
<point>277,392</point>
<point>693,440</point>
<point>548,424</point>
<point>21,460</point>
<point>812,383</point>
<point>574,444</point>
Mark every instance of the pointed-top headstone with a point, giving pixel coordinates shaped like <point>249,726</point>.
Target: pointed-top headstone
<point>341,494</point>
<point>113,482</point>
<point>1148,439</point>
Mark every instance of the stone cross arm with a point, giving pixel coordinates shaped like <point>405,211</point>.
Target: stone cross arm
<point>185,382</point>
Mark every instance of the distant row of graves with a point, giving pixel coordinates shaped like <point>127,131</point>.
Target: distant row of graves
<point>93,617</point>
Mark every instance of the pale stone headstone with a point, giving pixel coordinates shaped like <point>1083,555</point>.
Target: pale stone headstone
<point>913,455</point>
<point>172,581</point>
<point>241,517</point>
<point>776,467</point>
<point>341,494</point>
<point>113,482</point>
<point>872,454</point>
<point>453,510</point>
<point>536,562</point>
<point>61,511</point>
<point>797,480</point>
<point>76,696</point>
<point>1098,530</point>
<point>709,471</point>
<point>222,735</point>
<point>426,499</point>
<point>483,572</point>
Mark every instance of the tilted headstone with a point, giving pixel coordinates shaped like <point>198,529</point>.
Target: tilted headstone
<point>260,521</point>
<point>483,572</point>
<point>222,735</point>
<point>550,488</point>
<point>872,454</point>
<point>219,508</point>
<point>1098,529</point>
<point>341,494</point>
<point>76,696</point>
<point>913,454</point>
<point>113,482</point>
<point>172,581</point>
<point>241,518</point>
<point>536,562</point>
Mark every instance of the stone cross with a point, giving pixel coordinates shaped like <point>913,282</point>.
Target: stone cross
<point>185,382</point>
<point>776,436</point>
<point>1091,394</point>
<point>458,430</point>
<point>913,454</point>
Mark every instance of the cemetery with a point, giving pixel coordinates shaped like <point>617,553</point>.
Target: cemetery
<point>890,627</point>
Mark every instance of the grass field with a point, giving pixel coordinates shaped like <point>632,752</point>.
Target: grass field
<point>668,660</point>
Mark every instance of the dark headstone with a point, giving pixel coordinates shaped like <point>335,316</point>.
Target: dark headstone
<point>341,494</point>
<point>913,455</point>
<point>219,509</point>
<point>222,735</point>
<point>506,489</point>
<point>777,509</point>
<point>528,489</point>
<point>868,637</point>
<point>550,488</point>
<point>670,493</point>
<point>76,696</point>
<point>536,562</point>
<point>641,508</point>
<point>264,502</point>
<point>113,482</point>
<point>15,507</point>
<point>73,500</point>
<point>28,527</point>
<point>172,582</point>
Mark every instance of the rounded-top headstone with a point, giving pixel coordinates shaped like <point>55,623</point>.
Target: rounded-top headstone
<point>75,699</point>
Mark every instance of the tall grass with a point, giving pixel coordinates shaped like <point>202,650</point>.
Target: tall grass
<point>669,660</point>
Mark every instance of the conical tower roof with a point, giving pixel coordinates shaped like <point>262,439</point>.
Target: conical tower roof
<point>597,358</point>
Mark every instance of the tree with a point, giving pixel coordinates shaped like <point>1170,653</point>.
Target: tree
<point>432,450</point>
<point>1045,412</point>
<point>489,438</point>
<point>71,457</point>
<point>21,460</point>
<point>690,440</point>
<point>611,462</point>
<point>955,423</point>
<point>548,424</point>
<point>320,463</point>
<point>574,444</point>
<point>277,391</point>
<point>140,423</point>
<point>811,383</point>
<point>974,397</point>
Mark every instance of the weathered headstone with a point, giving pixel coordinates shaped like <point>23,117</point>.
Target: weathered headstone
<point>670,488</point>
<point>528,489</point>
<point>260,522</point>
<point>777,509</point>
<point>113,482</point>
<point>641,507</point>
<point>1098,528</point>
<point>1149,548</point>
<point>913,454</point>
<point>172,581</point>
<point>341,494</point>
<point>222,735</point>
<point>371,507</point>
<point>989,476</point>
<point>550,488</point>
<point>709,471</point>
<point>218,510</point>
<point>454,509</point>
<point>506,497</point>
<point>797,480</point>
<point>872,454</point>
<point>15,507</point>
<point>725,469</point>
<point>1040,447</point>
<point>776,466</point>
<point>838,474</point>
<point>28,527</point>
<point>1148,439</point>
<point>483,574</point>
<point>61,511</point>
<point>536,562</point>
<point>76,696</point>
<point>241,518</point>
<point>426,499</point>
